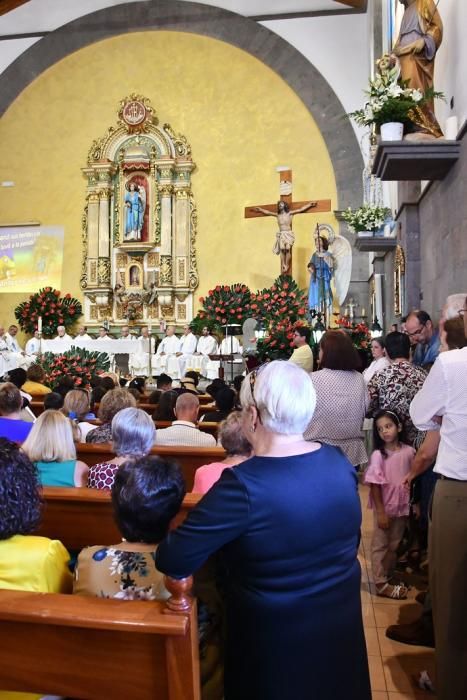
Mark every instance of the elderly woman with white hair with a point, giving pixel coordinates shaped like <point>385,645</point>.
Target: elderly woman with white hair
<point>287,523</point>
<point>133,435</point>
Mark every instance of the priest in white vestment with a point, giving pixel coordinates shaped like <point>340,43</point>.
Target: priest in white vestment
<point>17,355</point>
<point>207,345</point>
<point>188,343</point>
<point>33,346</point>
<point>138,361</point>
<point>166,355</point>
<point>230,345</point>
<point>62,334</point>
<point>7,361</point>
<point>83,334</point>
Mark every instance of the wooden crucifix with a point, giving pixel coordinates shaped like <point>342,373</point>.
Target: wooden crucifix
<point>284,210</point>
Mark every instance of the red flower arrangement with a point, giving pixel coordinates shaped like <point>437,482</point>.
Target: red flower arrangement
<point>55,311</point>
<point>225,304</point>
<point>77,363</point>
<point>359,332</point>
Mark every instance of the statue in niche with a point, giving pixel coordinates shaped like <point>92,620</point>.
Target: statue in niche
<point>135,203</point>
<point>419,38</point>
<point>134,276</point>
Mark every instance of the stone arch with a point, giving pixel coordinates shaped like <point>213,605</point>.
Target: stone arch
<point>302,77</point>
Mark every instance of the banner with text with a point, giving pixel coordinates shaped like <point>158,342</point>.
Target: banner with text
<point>30,257</point>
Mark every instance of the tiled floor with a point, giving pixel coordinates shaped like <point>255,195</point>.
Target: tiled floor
<point>393,666</point>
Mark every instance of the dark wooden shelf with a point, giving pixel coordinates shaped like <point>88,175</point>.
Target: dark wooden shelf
<point>375,244</point>
<point>423,160</point>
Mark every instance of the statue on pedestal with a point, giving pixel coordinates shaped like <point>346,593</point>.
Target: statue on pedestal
<point>419,38</point>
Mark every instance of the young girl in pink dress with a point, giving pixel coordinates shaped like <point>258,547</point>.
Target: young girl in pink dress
<point>389,499</point>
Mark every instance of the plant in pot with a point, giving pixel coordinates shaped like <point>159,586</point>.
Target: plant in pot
<point>392,102</point>
<point>367,219</point>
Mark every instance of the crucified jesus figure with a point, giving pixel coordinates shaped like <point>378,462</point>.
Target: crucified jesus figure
<point>284,237</point>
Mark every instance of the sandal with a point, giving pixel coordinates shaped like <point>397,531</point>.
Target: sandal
<point>398,592</point>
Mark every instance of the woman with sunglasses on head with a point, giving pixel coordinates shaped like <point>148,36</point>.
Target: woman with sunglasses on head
<point>287,524</point>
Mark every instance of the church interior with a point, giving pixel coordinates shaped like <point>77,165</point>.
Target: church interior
<point>147,146</point>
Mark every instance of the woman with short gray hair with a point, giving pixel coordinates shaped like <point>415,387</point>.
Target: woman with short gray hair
<point>287,521</point>
<point>133,435</point>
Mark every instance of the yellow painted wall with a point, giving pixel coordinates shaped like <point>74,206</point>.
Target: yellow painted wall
<point>241,119</point>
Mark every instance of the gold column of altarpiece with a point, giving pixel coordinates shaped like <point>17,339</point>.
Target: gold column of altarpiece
<point>139,222</point>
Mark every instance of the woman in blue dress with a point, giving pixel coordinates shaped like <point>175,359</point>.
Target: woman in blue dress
<point>287,525</point>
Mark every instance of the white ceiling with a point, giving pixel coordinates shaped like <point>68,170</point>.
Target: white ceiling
<point>47,15</point>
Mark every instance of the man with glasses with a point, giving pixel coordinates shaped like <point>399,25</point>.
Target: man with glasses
<point>419,327</point>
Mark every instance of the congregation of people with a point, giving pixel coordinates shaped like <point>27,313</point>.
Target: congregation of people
<point>301,439</point>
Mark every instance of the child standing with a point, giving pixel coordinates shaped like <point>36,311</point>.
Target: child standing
<point>389,499</point>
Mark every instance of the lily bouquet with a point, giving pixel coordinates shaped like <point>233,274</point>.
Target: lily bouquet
<point>365,218</point>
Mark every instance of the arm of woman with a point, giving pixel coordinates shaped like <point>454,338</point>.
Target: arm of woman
<point>220,517</point>
<point>81,474</point>
<point>57,575</point>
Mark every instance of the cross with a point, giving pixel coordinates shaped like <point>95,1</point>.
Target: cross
<point>285,238</point>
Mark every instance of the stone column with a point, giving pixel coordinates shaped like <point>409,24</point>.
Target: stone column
<point>104,223</point>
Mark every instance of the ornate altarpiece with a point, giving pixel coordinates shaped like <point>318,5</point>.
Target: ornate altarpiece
<point>139,222</point>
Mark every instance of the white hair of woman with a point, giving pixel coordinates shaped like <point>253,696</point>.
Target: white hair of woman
<point>454,303</point>
<point>133,432</point>
<point>283,396</point>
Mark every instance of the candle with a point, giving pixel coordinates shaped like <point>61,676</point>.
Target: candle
<point>39,324</point>
<point>451,128</point>
<point>363,311</point>
<point>149,328</point>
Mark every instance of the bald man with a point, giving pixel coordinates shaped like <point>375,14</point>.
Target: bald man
<point>183,431</point>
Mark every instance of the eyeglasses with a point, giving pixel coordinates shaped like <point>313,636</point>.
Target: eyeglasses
<point>417,332</point>
<point>461,312</point>
<point>252,381</point>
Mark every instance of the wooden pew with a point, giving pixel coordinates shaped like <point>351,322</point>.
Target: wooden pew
<point>94,648</point>
<point>189,458</point>
<point>81,517</point>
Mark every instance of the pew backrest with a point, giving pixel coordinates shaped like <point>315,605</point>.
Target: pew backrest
<point>85,647</point>
<point>189,458</point>
<point>81,517</point>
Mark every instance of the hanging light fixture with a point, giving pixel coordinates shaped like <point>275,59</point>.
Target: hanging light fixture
<point>376,330</point>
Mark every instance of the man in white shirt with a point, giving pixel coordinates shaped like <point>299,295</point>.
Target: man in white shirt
<point>303,354</point>
<point>62,334</point>
<point>444,397</point>
<point>83,334</point>
<point>166,359</point>
<point>186,350</point>
<point>183,431</point>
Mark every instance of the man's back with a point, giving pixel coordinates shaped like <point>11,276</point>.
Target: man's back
<point>184,434</point>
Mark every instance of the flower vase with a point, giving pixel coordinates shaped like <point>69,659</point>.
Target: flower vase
<point>392,131</point>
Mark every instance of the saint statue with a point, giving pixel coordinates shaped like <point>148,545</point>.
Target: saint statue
<point>330,263</point>
<point>420,36</point>
<point>321,268</point>
<point>284,237</point>
<point>135,203</point>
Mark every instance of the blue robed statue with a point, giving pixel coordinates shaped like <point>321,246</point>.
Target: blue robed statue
<point>321,268</point>
<point>135,203</point>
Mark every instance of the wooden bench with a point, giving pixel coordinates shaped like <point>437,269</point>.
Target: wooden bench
<point>94,648</point>
<point>84,517</point>
<point>189,458</point>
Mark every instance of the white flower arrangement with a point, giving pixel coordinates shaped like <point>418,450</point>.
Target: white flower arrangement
<point>389,98</point>
<point>365,218</point>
